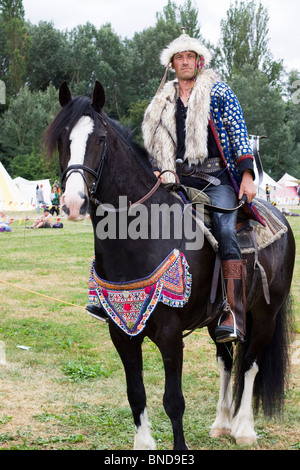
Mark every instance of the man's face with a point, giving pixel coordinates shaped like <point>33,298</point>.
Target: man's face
<point>184,64</point>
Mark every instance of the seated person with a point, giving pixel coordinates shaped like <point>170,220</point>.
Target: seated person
<point>4,224</point>
<point>44,221</point>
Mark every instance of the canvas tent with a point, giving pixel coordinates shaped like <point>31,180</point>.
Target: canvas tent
<point>287,190</point>
<point>265,178</point>
<point>10,197</point>
<point>261,190</point>
<point>283,191</point>
<point>28,189</point>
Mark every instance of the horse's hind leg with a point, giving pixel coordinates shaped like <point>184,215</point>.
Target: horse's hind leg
<point>253,360</point>
<point>239,425</point>
<point>243,422</point>
<point>130,352</point>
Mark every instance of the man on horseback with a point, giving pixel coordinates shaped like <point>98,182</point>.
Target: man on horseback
<point>195,125</point>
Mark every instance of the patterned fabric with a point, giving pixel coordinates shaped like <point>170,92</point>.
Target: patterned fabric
<point>231,129</point>
<point>130,304</point>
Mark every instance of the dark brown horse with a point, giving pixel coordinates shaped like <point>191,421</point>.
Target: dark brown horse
<point>99,161</point>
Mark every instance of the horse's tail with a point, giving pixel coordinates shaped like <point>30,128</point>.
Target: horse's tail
<point>272,379</point>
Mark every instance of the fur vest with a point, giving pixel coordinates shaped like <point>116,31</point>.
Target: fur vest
<point>159,124</point>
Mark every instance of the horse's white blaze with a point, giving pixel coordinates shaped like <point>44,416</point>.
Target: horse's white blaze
<point>75,186</point>
<point>143,439</point>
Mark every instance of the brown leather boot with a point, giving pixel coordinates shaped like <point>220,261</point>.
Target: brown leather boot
<point>231,325</point>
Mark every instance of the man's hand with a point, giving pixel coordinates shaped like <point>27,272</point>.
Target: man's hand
<point>247,187</point>
<point>157,174</point>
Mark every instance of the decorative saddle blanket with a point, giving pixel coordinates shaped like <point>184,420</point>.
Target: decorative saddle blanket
<point>130,304</point>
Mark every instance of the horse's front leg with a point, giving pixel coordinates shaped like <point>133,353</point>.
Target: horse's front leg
<point>223,422</point>
<point>171,347</point>
<point>130,352</point>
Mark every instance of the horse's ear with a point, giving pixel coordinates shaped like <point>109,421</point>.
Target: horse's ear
<point>64,94</point>
<point>98,97</point>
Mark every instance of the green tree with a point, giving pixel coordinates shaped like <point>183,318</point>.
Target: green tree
<point>134,119</point>
<point>185,16</point>
<point>113,71</point>
<point>100,54</point>
<point>16,44</point>
<point>143,53</point>
<point>49,57</point>
<point>266,114</point>
<point>22,127</point>
<point>293,119</point>
<point>244,40</point>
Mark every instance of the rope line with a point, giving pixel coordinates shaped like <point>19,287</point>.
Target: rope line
<point>41,295</point>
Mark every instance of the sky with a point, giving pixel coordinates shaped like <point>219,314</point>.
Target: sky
<point>130,16</point>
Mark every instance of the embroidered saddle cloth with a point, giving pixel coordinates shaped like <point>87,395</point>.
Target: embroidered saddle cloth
<point>130,304</point>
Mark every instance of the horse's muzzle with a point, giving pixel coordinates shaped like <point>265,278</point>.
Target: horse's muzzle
<point>75,205</point>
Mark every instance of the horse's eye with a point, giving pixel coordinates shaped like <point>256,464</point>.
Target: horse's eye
<point>100,139</point>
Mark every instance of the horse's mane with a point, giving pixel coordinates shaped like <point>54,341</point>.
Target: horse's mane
<point>127,135</point>
<point>70,114</point>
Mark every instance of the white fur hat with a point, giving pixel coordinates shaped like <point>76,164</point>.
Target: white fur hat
<point>181,44</point>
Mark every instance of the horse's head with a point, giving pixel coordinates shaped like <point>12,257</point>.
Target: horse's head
<point>79,132</point>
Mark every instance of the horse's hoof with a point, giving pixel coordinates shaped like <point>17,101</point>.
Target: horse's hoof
<point>219,432</point>
<point>246,441</point>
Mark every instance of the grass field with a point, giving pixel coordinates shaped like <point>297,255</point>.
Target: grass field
<point>62,384</point>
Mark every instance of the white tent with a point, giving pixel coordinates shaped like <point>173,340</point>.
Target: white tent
<point>287,190</point>
<point>261,190</point>
<point>10,197</point>
<point>28,189</point>
<point>288,181</point>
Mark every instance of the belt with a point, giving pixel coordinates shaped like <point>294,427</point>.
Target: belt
<point>203,170</point>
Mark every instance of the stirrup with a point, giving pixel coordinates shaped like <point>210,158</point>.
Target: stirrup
<point>226,333</point>
<point>97,312</point>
